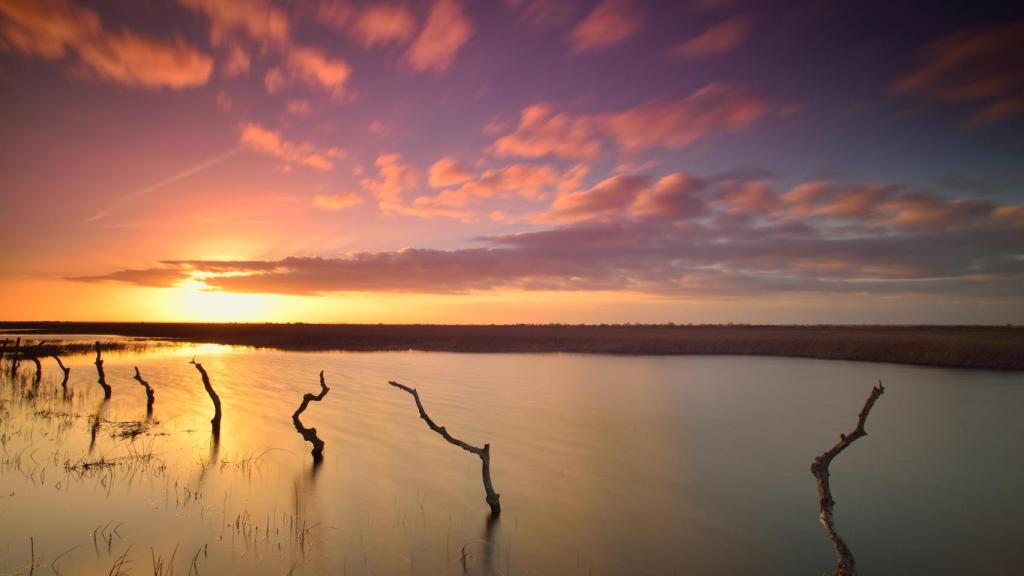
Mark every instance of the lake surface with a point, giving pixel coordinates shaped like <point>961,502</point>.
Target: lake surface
<point>605,465</point>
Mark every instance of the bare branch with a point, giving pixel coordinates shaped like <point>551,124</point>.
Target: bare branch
<point>309,434</point>
<point>102,379</point>
<point>150,398</point>
<point>15,357</point>
<point>845,564</point>
<point>215,422</point>
<point>65,370</point>
<point>484,453</point>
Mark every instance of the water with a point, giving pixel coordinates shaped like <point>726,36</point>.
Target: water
<point>605,465</point>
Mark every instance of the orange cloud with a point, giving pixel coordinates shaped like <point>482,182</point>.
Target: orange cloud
<point>46,29</point>
<point>134,60</point>
<point>341,201</point>
<point>393,179</point>
<point>237,61</point>
<point>544,13</point>
<point>448,172</point>
<point>383,24</point>
<point>671,124</point>
<point>258,19</point>
<point>313,67</point>
<point>719,39</point>
<point>675,124</point>
<point>609,199</point>
<point>542,131</point>
<point>52,29</point>
<point>979,65</point>
<point>672,198</point>
<point>610,22</point>
<point>261,139</point>
<point>446,30</point>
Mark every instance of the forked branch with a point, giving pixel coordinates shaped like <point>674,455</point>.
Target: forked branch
<point>215,422</point>
<point>845,564</point>
<point>484,453</point>
<point>309,434</point>
<point>102,378</point>
<point>149,391</point>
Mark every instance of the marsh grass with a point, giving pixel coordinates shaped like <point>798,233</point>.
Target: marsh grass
<point>44,435</point>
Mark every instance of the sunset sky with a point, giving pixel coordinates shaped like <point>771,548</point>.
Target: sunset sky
<point>478,161</point>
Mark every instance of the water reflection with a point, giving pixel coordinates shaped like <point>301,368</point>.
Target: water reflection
<point>608,465</point>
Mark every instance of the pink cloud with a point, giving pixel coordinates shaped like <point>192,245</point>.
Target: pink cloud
<point>542,131</point>
<point>544,13</point>
<point>721,38</point>
<point>393,180</point>
<point>445,31</point>
<point>610,22</point>
<point>673,236</point>
<point>313,67</point>
<point>53,29</point>
<point>237,61</point>
<point>335,202</point>
<point>259,20</point>
<point>135,60</point>
<point>609,199</point>
<point>381,24</point>
<point>447,172</point>
<point>750,199</point>
<point>47,29</point>
<point>672,198</point>
<point>980,65</point>
<point>261,139</point>
<point>675,124</point>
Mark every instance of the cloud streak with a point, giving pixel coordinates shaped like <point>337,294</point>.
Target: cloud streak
<point>682,234</point>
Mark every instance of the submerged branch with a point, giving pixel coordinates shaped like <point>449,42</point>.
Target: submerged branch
<point>845,564</point>
<point>309,434</point>
<point>215,421</point>
<point>149,391</point>
<point>484,453</point>
<point>65,370</point>
<point>102,378</point>
<point>15,356</point>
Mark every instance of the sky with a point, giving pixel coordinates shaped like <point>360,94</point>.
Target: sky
<point>506,161</point>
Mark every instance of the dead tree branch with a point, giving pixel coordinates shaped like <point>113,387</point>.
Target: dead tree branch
<point>149,391</point>
<point>15,355</point>
<point>102,378</point>
<point>34,357</point>
<point>215,422</point>
<point>484,453</point>
<point>65,370</point>
<point>309,434</point>
<point>845,564</point>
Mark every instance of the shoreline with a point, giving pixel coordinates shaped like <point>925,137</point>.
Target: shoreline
<point>984,347</point>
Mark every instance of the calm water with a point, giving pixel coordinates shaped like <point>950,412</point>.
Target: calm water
<point>605,465</point>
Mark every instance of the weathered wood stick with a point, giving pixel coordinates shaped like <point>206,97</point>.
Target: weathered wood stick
<point>14,359</point>
<point>65,370</point>
<point>309,434</point>
<point>215,421</point>
<point>845,564</point>
<point>102,378</point>
<point>149,391</point>
<point>484,453</point>
<point>34,357</point>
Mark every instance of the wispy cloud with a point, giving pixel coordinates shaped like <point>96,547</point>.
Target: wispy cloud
<point>609,23</point>
<point>445,31</point>
<point>55,28</point>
